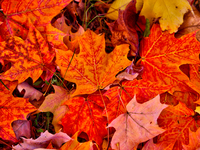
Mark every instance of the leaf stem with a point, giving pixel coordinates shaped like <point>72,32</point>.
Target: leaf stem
<point>4,85</point>
<point>68,66</point>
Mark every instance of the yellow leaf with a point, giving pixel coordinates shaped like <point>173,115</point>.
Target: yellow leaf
<point>170,12</point>
<point>75,145</point>
<point>114,8</point>
<point>197,109</point>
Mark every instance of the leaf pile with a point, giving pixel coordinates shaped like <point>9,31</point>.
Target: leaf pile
<point>85,75</point>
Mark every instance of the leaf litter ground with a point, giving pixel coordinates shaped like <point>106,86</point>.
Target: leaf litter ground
<point>81,59</point>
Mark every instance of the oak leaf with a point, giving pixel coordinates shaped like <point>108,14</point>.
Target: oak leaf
<point>28,58</point>
<point>21,128</point>
<point>30,92</point>
<point>92,68</point>
<point>170,14</point>
<point>12,108</point>
<point>43,141</point>
<point>123,34</point>
<point>85,115</point>
<point>177,121</point>
<point>53,103</point>
<point>74,144</point>
<point>137,125</point>
<point>162,55</point>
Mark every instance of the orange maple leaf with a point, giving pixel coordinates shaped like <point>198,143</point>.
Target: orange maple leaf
<point>85,114</point>
<point>28,58</point>
<point>195,77</point>
<point>187,97</point>
<point>40,13</point>
<point>194,142</point>
<point>12,108</point>
<point>92,68</point>
<point>177,121</point>
<point>119,96</point>
<point>16,15</point>
<point>162,54</point>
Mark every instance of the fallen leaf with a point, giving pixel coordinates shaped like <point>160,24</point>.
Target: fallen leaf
<point>21,128</point>
<point>127,76</point>
<point>30,92</point>
<point>12,108</point>
<point>194,142</point>
<point>195,77</point>
<point>151,146</point>
<point>85,114</point>
<point>53,103</point>
<point>61,24</point>
<point>162,55</point>
<point>122,34</point>
<point>92,68</point>
<point>137,125</point>
<point>29,58</point>
<point>75,145</point>
<point>191,23</point>
<point>115,7</point>
<point>120,96</point>
<point>43,141</point>
<point>177,121</point>
<point>170,14</point>
<point>187,98</point>
<point>40,13</point>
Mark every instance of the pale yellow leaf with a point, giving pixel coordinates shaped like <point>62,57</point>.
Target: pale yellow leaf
<point>169,13</point>
<point>114,8</point>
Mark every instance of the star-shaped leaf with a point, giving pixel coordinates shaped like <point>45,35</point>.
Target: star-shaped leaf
<point>162,55</point>
<point>28,58</point>
<point>137,125</point>
<point>92,68</point>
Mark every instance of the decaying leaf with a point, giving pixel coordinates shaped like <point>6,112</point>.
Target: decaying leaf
<point>92,68</point>
<point>190,24</point>
<point>43,141</point>
<point>53,103</point>
<point>30,92</point>
<point>137,125</point>
<point>122,34</point>
<point>21,128</point>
